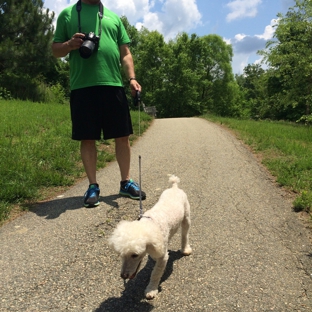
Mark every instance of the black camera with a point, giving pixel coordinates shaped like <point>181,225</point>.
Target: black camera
<point>90,44</point>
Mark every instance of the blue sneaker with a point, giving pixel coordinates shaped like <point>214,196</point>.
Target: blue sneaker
<point>131,189</point>
<point>91,197</point>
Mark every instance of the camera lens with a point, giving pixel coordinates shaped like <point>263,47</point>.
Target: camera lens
<point>86,49</point>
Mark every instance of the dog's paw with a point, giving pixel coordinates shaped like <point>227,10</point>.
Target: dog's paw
<point>186,251</point>
<point>150,293</point>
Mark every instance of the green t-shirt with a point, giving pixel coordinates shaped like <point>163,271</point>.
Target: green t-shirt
<point>103,66</point>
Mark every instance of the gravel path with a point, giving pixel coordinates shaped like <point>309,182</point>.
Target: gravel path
<point>250,250</point>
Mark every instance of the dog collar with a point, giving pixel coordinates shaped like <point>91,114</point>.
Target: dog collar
<point>140,217</point>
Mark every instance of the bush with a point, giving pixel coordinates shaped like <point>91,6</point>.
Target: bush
<point>306,119</point>
<point>31,89</point>
<point>58,94</point>
<point>303,202</point>
<point>5,94</point>
<point>4,210</point>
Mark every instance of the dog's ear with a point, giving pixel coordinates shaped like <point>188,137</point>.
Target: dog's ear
<point>116,239</point>
<point>156,248</point>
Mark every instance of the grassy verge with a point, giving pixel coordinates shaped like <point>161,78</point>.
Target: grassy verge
<point>37,155</point>
<point>285,149</point>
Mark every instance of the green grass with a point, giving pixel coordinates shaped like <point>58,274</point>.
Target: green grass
<point>37,154</point>
<point>286,150</point>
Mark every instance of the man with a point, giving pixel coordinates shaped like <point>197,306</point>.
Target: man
<point>97,43</point>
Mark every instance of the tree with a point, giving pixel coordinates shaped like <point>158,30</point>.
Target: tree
<point>132,32</point>
<point>151,56</point>
<point>253,85</point>
<point>197,77</point>
<point>180,95</point>
<point>290,60</point>
<point>219,92</point>
<point>25,39</point>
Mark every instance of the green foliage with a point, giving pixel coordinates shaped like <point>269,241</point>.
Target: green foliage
<point>283,91</point>
<point>59,75</point>
<point>25,53</point>
<point>132,32</point>
<point>187,76</point>
<point>289,58</point>
<point>58,94</point>
<point>5,94</point>
<point>306,119</point>
<point>5,209</point>
<point>303,202</point>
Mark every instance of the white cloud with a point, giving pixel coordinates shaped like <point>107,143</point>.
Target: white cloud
<point>152,21</point>
<point>56,5</point>
<point>242,8</point>
<point>239,37</point>
<point>269,30</point>
<point>245,44</point>
<point>175,15</point>
<point>134,10</point>
<point>245,47</point>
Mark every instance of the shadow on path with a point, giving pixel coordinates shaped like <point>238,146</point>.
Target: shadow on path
<point>54,208</point>
<point>132,298</point>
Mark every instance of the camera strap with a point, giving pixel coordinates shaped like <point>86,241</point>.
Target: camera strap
<point>101,14</point>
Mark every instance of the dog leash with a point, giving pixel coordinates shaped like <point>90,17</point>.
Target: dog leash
<point>137,102</point>
<point>140,192</point>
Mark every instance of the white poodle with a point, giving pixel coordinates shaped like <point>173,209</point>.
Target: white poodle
<point>151,235</point>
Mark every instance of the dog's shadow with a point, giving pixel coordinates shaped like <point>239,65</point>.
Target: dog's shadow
<point>133,298</point>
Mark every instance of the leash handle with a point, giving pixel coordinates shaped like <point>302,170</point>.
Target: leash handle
<point>137,98</point>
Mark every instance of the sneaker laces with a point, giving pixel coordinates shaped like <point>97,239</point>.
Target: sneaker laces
<point>91,193</point>
<point>132,183</point>
<point>92,190</point>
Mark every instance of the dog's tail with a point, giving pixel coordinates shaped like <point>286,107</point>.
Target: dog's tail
<point>174,180</point>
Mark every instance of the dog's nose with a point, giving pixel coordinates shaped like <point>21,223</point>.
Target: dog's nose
<point>124,275</point>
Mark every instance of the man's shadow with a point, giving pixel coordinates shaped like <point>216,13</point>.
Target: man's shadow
<point>54,208</point>
<point>133,298</point>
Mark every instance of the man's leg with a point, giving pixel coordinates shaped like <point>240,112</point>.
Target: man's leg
<point>89,158</point>
<point>122,149</point>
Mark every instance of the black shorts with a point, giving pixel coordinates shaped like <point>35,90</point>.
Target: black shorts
<point>100,109</point>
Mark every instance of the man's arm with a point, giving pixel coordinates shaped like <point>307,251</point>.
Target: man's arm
<point>128,66</point>
<point>61,49</point>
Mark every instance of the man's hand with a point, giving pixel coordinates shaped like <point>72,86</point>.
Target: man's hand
<point>75,41</point>
<point>61,49</point>
<point>135,86</point>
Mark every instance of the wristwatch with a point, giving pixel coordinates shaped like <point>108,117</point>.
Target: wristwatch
<point>132,78</point>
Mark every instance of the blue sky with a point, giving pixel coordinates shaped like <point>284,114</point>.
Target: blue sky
<point>246,24</point>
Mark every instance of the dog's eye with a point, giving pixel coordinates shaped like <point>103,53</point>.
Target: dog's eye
<point>134,256</point>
